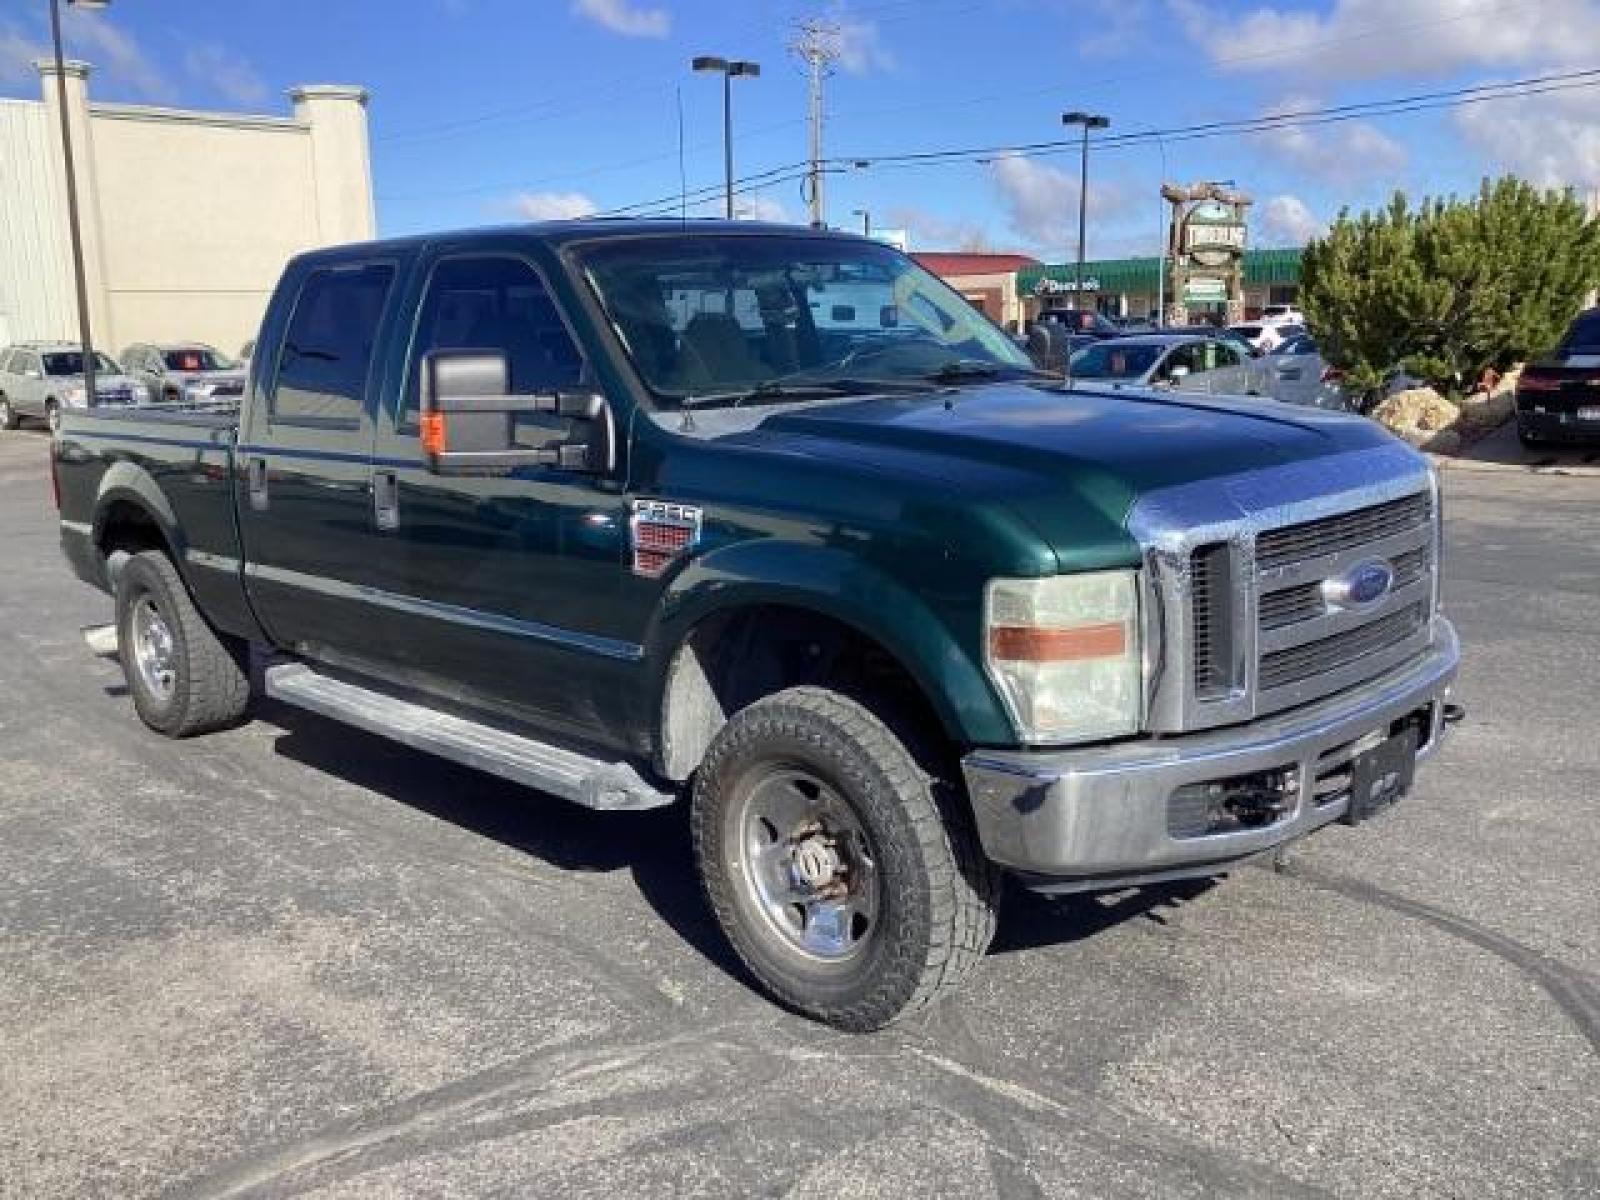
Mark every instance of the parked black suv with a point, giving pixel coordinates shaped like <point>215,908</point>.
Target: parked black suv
<point>1558,398</point>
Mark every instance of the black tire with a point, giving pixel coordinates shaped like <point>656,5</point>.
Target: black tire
<point>8,415</point>
<point>209,683</point>
<point>1529,441</point>
<point>935,893</point>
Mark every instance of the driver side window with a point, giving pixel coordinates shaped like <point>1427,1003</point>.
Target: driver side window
<point>497,304</point>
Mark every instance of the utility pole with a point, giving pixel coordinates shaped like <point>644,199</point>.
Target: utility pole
<point>817,46</point>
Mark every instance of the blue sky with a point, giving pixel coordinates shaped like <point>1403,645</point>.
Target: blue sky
<point>487,110</point>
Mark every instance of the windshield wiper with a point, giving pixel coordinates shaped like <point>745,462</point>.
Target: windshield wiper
<point>976,368</point>
<point>776,389</point>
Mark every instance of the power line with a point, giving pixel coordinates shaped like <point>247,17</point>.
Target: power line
<point>1509,89</point>
<point>1267,123</point>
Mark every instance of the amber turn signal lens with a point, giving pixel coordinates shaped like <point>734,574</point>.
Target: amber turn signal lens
<point>433,439</point>
<point>1012,643</point>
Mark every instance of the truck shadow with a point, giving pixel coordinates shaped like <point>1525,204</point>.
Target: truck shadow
<point>653,846</point>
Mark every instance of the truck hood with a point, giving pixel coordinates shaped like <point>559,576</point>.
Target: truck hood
<point>1070,463</point>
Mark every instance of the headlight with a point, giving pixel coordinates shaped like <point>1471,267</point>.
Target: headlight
<point>74,397</point>
<point>1064,652</point>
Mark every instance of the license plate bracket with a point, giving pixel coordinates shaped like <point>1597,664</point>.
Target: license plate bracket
<point>1381,775</point>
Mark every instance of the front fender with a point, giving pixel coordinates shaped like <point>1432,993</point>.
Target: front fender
<point>838,584</point>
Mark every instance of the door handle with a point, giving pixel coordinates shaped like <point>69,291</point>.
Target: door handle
<point>255,471</point>
<point>386,500</point>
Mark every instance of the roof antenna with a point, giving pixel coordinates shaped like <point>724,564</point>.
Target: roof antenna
<point>683,181</point>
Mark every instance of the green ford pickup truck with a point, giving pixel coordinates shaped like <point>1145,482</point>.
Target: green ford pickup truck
<point>773,520</point>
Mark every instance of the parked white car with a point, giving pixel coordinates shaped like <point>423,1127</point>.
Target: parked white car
<point>1282,314</point>
<point>1296,373</point>
<point>40,379</point>
<point>1181,362</point>
<point>1263,339</point>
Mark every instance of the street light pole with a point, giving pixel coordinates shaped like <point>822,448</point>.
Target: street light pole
<point>85,333</point>
<point>728,69</point>
<point>1088,121</point>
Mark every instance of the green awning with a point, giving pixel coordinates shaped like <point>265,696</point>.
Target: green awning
<point>1135,276</point>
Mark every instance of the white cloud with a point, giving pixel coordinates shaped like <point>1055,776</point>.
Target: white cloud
<point>1340,153</point>
<point>858,46</point>
<point>226,73</point>
<point>1286,221</point>
<point>553,206</point>
<point>1372,39</point>
<point>1041,202</point>
<point>756,207</point>
<point>16,58</point>
<point>119,55</point>
<point>1551,140</point>
<point>931,231</point>
<point>626,18</point>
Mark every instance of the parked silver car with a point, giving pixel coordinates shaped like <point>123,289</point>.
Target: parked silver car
<point>1298,374</point>
<point>1182,362</point>
<point>184,371</point>
<point>39,379</point>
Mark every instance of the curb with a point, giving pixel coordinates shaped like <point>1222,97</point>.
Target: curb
<point>1446,462</point>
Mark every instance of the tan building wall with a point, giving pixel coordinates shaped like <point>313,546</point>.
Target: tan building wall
<point>188,217</point>
<point>995,294</point>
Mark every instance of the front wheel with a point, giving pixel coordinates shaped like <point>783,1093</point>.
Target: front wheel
<point>844,884</point>
<point>183,677</point>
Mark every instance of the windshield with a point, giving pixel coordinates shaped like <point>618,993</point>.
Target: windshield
<point>1113,360</point>
<point>714,316</point>
<point>70,362</point>
<point>195,358</point>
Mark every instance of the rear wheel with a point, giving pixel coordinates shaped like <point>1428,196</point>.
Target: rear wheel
<point>8,415</point>
<point>183,677</point>
<point>845,885</point>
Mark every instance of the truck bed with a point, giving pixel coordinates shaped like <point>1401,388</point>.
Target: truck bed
<point>175,461</point>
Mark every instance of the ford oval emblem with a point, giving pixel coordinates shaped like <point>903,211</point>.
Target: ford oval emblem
<point>1363,584</point>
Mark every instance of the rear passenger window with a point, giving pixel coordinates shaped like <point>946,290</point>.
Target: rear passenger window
<point>494,304</point>
<point>327,353</point>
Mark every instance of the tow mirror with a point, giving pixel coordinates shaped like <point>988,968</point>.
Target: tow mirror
<point>472,425</point>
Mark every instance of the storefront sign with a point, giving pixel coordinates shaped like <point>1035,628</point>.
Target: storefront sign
<point>1057,287</point>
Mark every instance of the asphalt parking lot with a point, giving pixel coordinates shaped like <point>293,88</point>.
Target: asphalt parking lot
<point>293,959</point>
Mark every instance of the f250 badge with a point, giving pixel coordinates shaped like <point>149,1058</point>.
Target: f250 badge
<point>660,532</point>
<point>1363,584</point>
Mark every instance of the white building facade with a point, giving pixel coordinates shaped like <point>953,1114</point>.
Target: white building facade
<point>187,217</point>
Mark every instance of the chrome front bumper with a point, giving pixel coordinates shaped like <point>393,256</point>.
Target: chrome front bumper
<point>1101,816</point>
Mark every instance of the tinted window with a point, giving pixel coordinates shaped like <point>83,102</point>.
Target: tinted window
<point>1220,354</point>
<point>1114,360</point>
<point>495,304</point>
<point>70,362</point>
<point>1584,336</point>
<point>322,372</point>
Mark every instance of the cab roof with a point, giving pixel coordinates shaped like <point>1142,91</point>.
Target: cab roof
<point>587,229</point>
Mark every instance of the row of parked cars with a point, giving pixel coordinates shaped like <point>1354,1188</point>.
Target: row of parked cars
<point>1275,357</point>
<point>40,380</point>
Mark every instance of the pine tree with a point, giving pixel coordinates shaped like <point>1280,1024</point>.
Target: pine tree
<point>1453,288</point>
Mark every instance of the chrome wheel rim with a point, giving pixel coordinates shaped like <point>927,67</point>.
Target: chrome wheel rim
<point>806,864</point>
<point>154,654</point>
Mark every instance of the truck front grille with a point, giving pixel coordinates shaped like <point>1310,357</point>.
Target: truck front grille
<point>1296,543</point>
<point>1311,659</point>
<point>1211,583</point>
<point>1271,634</point>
